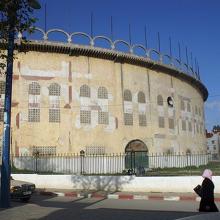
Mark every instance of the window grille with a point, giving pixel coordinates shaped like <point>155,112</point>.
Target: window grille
<point>1,114</point>
<point>44,150</point>
<point>188,107</point>
<point>54,115</point>
<point>160,100</point>
<point>199,111</point>
<point>34,89</point>
<point>85,117</point>
<point>54,89</point>
<point>196,110</point>
<point>141,97</point>
<point>142,120</point>
<point>128,118</point>
<point>197,128</point>
<point>183,125</point>
<point>102,93</point>
<point>190,126</point>
<point>171,123</point>
<point>161,122</point>
<point>85,91</point>
<point>182,105</point>
<point>95,150</point>
<point>2,87</point>
<point>127,95</point>
<point>103,118</point>
<point>34,115</point>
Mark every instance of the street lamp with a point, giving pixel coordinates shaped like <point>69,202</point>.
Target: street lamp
<point>6,168</point>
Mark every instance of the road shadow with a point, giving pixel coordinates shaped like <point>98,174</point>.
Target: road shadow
<point>100,183</point>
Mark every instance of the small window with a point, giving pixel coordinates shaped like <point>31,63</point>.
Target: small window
<point>103,118</point>
<point>190,126</point>
<point>1,114</point>
<point>182,105</point>
<point>34,115</point>
<point>85,91</point>
<point>142,120</point>
<point>188,107</point>
<point>127,95</point>
<point>160,100</point>
<point>2,87</point>
<point>183,125</point>
<point>85,117</point>
<point>141,97</point>
<point>128,118</point>
<point>171,123</point>
<point>34,89</point>
<point>54,115</point>
<point>102,93</point>
<point>196,110</point>
<point>213,142</point>
<point>54,89</point>
<point>161,122</point>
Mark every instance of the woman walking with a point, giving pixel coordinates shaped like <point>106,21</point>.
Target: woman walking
<point>207,203</point>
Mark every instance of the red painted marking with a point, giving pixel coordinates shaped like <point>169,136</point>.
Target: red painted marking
<point>188,198</point>
<point>125,196</point>
<point>70,194</point>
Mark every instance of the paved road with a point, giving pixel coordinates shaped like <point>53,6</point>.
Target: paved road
<point>42,207</point>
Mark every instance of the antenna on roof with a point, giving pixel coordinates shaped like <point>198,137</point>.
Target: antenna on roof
<point>170,46</point>
<point>145,36</point>
<point>45,17</point>
<point>112,29</point>
<point>129,33</point>
<point>179,48</point>
<point>158,38</point>
<point>191,61</point>
<point>91,24</point>
<point>187,59</point>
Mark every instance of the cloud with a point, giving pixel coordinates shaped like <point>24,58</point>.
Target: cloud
<point>213,105</point>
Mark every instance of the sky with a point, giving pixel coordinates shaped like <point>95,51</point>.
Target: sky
<point>194,24</point>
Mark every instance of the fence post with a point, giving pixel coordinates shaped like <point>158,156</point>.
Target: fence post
<point>82,155</point>
<point>36,155</point>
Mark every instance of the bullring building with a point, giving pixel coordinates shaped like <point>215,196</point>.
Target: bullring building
<point>69,97</point>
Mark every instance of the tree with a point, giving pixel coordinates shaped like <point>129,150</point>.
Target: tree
<point>16,16</point>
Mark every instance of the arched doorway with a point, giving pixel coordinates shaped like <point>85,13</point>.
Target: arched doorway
<point>136,156</point>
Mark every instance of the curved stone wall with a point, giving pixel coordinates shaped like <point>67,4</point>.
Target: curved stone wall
<point>66,102</point>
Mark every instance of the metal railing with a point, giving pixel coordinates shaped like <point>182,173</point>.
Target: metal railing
<point>120,163</point>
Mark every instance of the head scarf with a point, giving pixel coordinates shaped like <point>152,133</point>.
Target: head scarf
<point>207,174</point>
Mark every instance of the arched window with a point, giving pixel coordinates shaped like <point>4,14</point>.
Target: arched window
<point>141,97</point>
<point>188,107</point>
<point>54,89</point>
<point>34,89</point>
<point>160,100</point>
<point>102,93</point>
<point>182,105</point>
<point>85,91</point>
<point>34,102</point>
<point>196,110</point>
<point>127,95</point>
<point>54,102</point>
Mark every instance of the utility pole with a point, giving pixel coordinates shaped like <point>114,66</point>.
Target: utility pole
<point>6,168</point>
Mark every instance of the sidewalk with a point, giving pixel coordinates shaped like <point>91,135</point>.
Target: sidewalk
<point>169,196</point>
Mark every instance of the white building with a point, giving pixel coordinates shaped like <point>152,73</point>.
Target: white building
<point>213,144</point>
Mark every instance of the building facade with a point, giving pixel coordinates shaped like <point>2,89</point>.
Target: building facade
<point>213,144</point>
<point>67,99</point>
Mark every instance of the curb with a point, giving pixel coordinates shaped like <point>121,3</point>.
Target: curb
<point>122,196</point>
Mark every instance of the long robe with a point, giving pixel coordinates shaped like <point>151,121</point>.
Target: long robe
<point>207,203</point>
